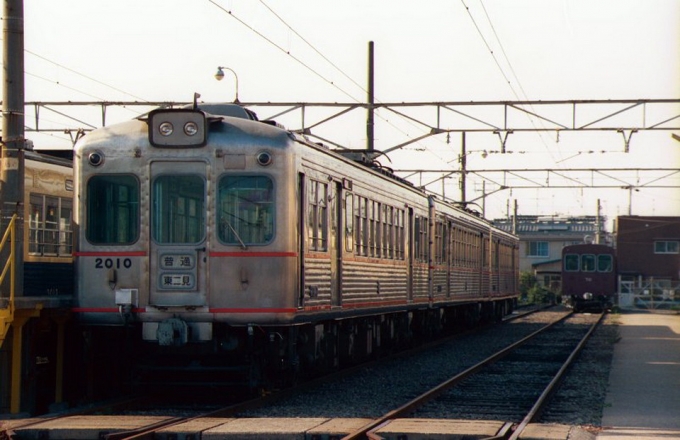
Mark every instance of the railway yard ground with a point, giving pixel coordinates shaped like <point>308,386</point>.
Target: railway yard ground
<point>632,391</point>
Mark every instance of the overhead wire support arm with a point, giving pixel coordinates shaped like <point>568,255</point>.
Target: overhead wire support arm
<point>626,139</point>
<point>503,138</point>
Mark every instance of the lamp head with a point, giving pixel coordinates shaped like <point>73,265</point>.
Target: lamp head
<point>220,74</point>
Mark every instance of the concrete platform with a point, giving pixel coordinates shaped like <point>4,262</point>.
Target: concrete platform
<point>259,429</point>
<point>643,400</point>
<point>433,429</point>
<point>81,427</point>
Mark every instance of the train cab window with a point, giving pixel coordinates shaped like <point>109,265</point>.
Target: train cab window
<point>587,263</point>
<point>571,263</point>
<point>245,213</point>
<point>178,209</point>
<point>112,209</point>
<point>604,263</point>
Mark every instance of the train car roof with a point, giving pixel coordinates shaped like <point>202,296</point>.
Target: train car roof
<point>57,157</point>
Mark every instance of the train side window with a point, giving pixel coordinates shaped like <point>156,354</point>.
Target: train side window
<point>317,215</point>
<point>571,263</point>
<point>246,210</point>
<point>587,263</point>
<point>50,231</point>
<point>604,263</point>
<point>349,222</point>
<point>112,209</point>
<point>399,234</point>
<point>361,226</point>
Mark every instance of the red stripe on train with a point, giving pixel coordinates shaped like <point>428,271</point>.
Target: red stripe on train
<point>253,254</point>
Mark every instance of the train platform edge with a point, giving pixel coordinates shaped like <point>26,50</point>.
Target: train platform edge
<point>643,397</point>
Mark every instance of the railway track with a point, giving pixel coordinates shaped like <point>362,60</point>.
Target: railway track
<point>147,426</point>
<point>478,387</point>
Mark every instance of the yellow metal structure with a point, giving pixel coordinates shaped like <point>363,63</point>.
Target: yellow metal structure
<point>7,303</point>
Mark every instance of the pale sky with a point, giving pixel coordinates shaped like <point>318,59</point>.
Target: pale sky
<point>316,51</point>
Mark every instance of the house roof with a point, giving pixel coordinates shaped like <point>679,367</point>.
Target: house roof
<point>552,225</point>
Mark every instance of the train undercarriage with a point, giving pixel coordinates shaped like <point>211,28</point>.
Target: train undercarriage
<point>256,359</point>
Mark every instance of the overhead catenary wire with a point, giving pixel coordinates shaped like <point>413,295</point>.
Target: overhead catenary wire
<point>512,71</point>
<point>318,52</point>
<point>287,52</point>
<point>306,41</point>
<point>85,76</point>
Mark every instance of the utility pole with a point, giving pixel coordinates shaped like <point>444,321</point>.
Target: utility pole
<point>598,230</point>
<point>463,167</point>
<point>371,101</point>
<point>13,142</point>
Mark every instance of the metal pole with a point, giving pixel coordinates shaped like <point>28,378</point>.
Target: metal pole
<point>371,97</point>
<point>598,230</point>
<point>463,164</point>
<point>13,142</point>
<point>484,198</point>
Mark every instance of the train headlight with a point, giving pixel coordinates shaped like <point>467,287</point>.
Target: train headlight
<point>164,128</point>
<point>190,129</point>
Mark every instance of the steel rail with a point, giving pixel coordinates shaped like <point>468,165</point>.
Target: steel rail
<point>148,432</point>
<point>544,398</point>
<point>365,431</point>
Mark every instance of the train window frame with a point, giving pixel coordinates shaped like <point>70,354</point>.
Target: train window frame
<point>605,263</point>
<point>361,226</point>
<point>317,215</point>
<point>349,222</point>
<point>588,263</point>
<point>95,214</point>
<point>399,234</point>
<point>241,236</point>
<point>569,260</point>
<point>177,213</point>
<point>61,243</point>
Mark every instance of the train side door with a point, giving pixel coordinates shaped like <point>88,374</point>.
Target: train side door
<point>336,243</point>
<point>410,237</point>
<point>178,224</point>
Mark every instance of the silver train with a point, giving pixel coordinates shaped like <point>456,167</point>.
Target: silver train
<point>231,242</point>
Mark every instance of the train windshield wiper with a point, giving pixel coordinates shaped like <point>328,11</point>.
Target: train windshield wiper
<point>238,237</point>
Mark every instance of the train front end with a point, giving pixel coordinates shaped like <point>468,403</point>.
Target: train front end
<point>589,280</point>
<point>186,225</point>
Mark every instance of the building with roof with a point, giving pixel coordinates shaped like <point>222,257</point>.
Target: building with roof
<point>542,237</point>
<point>648,261</point>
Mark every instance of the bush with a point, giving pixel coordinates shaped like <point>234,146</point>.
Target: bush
<point>539,295</point>
<point>527,281</point>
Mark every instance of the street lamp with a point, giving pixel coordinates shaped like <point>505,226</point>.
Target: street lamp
<point>220,74</point>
